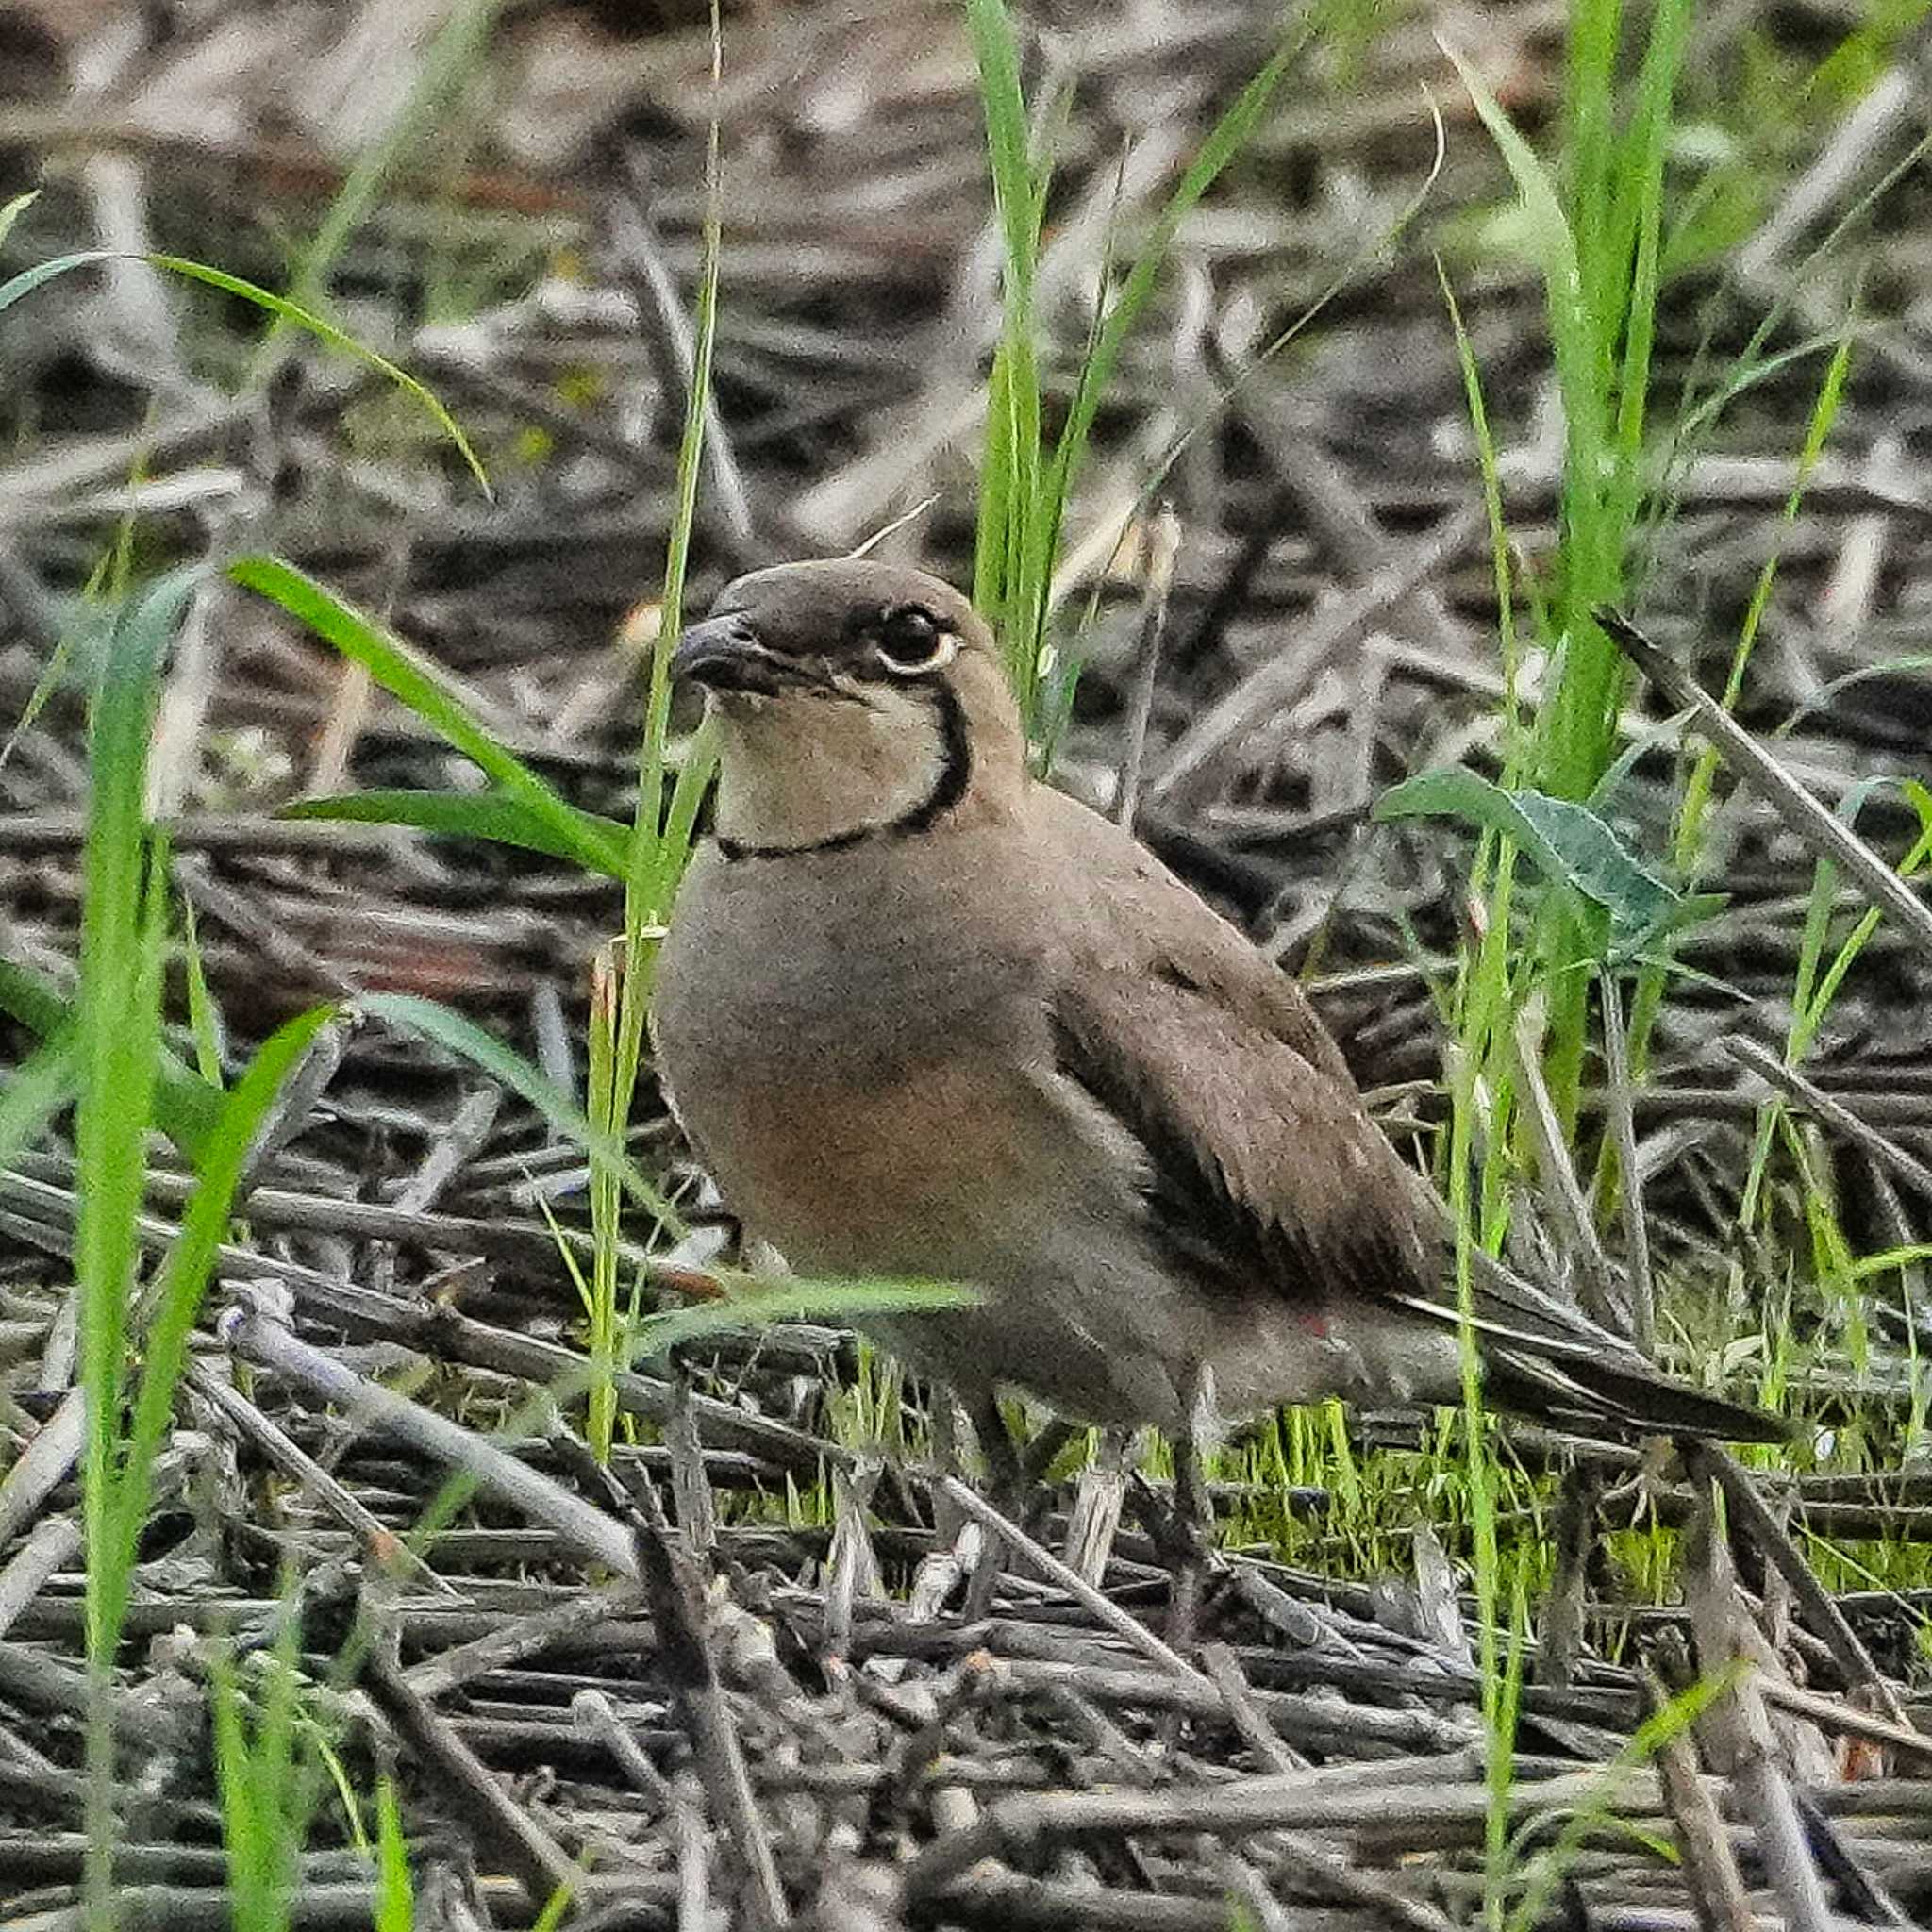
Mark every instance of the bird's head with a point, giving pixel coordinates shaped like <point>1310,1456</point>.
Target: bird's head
<point>854,698</point>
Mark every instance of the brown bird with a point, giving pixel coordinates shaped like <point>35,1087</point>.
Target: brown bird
<point>923,1016</point>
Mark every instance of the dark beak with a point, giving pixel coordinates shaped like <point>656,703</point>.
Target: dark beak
<point>723,653</point>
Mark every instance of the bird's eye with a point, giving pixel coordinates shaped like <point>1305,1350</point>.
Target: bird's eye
<point>910,640</point>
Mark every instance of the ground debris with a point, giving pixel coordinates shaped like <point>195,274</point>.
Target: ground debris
<point>773,1710</point>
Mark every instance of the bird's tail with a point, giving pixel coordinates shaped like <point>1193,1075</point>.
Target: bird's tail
<point>1593,1396</point>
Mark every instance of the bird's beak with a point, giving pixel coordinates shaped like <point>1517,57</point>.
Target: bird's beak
<point>724,653</point>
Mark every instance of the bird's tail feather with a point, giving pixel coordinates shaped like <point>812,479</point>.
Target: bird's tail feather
<point>1588,1396</point>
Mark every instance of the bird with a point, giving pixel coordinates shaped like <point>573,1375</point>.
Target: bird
<point>922,1015</point>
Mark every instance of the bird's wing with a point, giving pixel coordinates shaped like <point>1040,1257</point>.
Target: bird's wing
<point>1262,1164</point>
<point>1258,1169</point>
<point>1260,1147</point>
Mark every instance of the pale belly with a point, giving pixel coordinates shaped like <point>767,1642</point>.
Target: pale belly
<point>1002,1196</point>
<point>1053,1340</point>
<point>951,1175</point>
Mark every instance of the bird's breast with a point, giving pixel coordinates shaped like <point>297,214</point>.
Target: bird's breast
<point>886,1178</point>
<point>841,1034</point>
<point>850,968</point>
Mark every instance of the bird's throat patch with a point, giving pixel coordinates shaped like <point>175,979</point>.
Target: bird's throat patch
<point>951,776</point>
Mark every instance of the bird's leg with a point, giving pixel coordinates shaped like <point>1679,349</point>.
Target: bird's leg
<point>1039,1456</point>
<point>1194,1506</point>
<point>1005,1471</point>
<point>1560,1639</point>
<point>949,1453</point>
<point>1005,1480</point>
<point>1014,1478</point>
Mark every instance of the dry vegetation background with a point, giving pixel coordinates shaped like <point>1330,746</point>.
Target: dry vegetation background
<point>506,200</point>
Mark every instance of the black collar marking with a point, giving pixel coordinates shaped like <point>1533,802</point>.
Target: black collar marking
<point>956,775</point>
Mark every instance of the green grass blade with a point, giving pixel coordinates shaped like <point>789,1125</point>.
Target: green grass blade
<point>647,868</point>
<point>204,1019</point>
<point>28,998</point>
<point>275,1737</point>
<point>1813,1013</point>
<point>451,57</point>
<point>185,1105</point>
<point>1637,231</point>
<point>556,1908</point>
<point>600,1295</point>
<point>418,685</point>
<point>493,816</point>
<point>1576,725</point>
<point>19,287</point>
<point>190,1266</point>
<point>279,306</point>
<point>1695,801</point>
<point>1910,662</point>
<point>1226,140</point>
<point>1693,804</point>
<point>995,495</point>
<point>1668,1722</point>
<point>1551,245</point>
<point>118,1051</point>
<point>14,210</point>
<point>117,1038</point>
<point>395,1895</point>
<point>340,340</point>
<point>1009,494</point>
<point>451,1030</point>
<point>1479,1464</point>
<point>659,841</point>
<point>1502,573</point>
<point>250,1831</point>
<point>1016,186</point>
<point>36,1090</point>
<point>1589,141</point>
<point>695,774</point>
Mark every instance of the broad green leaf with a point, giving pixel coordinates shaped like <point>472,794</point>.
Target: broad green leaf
<point>1456,792</point>
<point>491,815</point>
<point>1566,841</point>
<point>1597,862</point>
